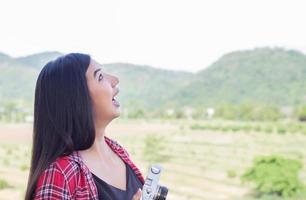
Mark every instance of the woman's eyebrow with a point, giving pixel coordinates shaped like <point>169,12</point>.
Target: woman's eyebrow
<point>95,72</point>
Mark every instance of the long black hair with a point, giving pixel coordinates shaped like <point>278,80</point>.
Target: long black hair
<point>63,115</point>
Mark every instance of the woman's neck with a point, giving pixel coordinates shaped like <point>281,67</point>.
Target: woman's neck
<point>99,150</point>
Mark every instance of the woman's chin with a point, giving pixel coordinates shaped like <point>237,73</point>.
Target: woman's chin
<point>118,114</point>
<point>117,111</point>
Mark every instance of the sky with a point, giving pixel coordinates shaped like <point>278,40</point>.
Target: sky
<point>184,35</point>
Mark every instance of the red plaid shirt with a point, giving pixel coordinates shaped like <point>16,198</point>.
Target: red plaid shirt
<point>69,178</point>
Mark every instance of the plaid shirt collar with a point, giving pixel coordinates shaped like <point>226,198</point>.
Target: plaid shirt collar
<point>119,150</point>
<point>69,178</point>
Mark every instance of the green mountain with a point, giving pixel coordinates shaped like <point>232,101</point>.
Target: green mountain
<point>272,76</point>
<point>16,82</point>
<point>4,57</point>
<point>37,61</point>
<point>140,86</point>
<point>263,75</point>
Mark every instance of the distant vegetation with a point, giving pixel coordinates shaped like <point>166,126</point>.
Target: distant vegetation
<point>260,84</point>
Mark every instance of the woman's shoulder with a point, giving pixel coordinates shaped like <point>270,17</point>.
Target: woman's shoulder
<point>66,165</point>
<point>67,162</point>
<point>60,177</point>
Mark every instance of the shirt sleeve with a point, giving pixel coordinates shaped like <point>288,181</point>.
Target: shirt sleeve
<point>52,185</point>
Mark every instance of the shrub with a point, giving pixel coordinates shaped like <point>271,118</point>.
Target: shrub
<point>231,173</point>
<point>154,145</point>
<point>225,128</point>
<point>301,113</point>
<point>247,128</point>
<point>275,175</point>
<point>24,167</point>
<point>6,162</point>
<point>268,129</point>
<point>4,184</point>
<point>293,128</point>
<point>197,126</point>
<point>179,114</point>
<point>235,128</point>
<point>257,128</point>
<point>281,130</point>
<point>216,127</point>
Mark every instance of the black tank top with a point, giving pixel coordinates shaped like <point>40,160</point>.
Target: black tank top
<point>109,192</point>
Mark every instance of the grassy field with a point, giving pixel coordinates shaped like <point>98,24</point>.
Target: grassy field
<point>201,159</point>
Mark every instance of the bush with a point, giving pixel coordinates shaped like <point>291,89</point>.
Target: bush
<point>197,127</point>
<point>257,128</point>
<point>231,173</point>
<point>4,184</point>
<point>216,127</point>
<point>235,128</point>
<point>179,114</point>
<point>268,129</point>
<point>301,113</point>
<point>6,162</point>
<point>154,145</point>
<point>292,128</point>
<point>9,151</point>
<point>281,130</point>
<point>24,167</point>
<point>225,128</point>
<point>275,175</point>
<point>247,128</point>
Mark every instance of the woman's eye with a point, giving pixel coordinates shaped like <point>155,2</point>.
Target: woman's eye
<point>100,77</point>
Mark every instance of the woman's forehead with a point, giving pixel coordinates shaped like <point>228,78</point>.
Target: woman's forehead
<point>93,66</point>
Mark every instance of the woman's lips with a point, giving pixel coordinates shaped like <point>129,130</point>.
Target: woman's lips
<point>115,102</point>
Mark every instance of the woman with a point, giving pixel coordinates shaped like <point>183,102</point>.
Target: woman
<point>71,156</point>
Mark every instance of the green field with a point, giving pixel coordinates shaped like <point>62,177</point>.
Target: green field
<point>201,159</point>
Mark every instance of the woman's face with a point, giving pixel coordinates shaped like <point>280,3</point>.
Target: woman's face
<point>102,89</point>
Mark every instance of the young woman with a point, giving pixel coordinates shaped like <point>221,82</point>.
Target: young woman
<point>71,156</point>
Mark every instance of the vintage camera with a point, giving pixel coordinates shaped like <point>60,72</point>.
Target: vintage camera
<point>151,190</point>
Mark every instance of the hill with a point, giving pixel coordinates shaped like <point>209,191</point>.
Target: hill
<point>261,76</point>
<point>270,76</point>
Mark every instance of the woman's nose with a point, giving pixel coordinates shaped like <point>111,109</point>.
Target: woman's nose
<point>115,80</point>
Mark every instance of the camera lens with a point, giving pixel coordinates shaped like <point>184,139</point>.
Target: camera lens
<point>162,193</point>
